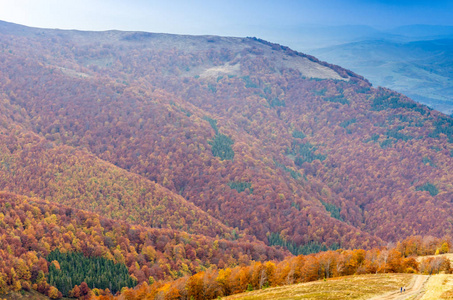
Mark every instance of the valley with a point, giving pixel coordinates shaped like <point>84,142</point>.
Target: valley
<point>419,69</point>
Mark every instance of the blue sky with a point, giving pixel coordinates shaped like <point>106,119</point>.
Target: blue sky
<point>227,17</point>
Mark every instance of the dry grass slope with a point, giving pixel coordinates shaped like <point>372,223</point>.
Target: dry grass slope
<point>350,287</point>
<point>439,287</point>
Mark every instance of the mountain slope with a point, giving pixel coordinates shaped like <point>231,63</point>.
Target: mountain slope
<point>31,165</point>
<point>31,230</point>
<point>139,124</point>
<point>268,141</point>
<point>73,177</point>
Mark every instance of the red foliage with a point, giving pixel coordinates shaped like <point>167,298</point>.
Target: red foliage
<point>117,124</point>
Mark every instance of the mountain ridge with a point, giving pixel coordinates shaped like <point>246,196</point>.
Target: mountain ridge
<point>119,87</point>
<point>284,140</point>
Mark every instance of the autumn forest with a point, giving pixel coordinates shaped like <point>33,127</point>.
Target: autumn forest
<point>142,165</point>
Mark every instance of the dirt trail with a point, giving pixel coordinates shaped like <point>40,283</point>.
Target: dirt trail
<point>414,291</point>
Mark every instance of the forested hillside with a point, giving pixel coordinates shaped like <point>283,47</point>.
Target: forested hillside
<point>34,233</point>
<point>232,139</point>
<point>33,166</point>
<point>140,112</point>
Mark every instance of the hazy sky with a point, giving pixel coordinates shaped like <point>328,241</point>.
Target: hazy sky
<point>226,17</point>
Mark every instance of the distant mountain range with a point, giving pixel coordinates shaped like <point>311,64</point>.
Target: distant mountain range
<point>310,37</point>
<point>423,70</point>
<point>416,60</point>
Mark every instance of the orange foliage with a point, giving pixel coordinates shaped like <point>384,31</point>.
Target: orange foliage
<point>156,253</point>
